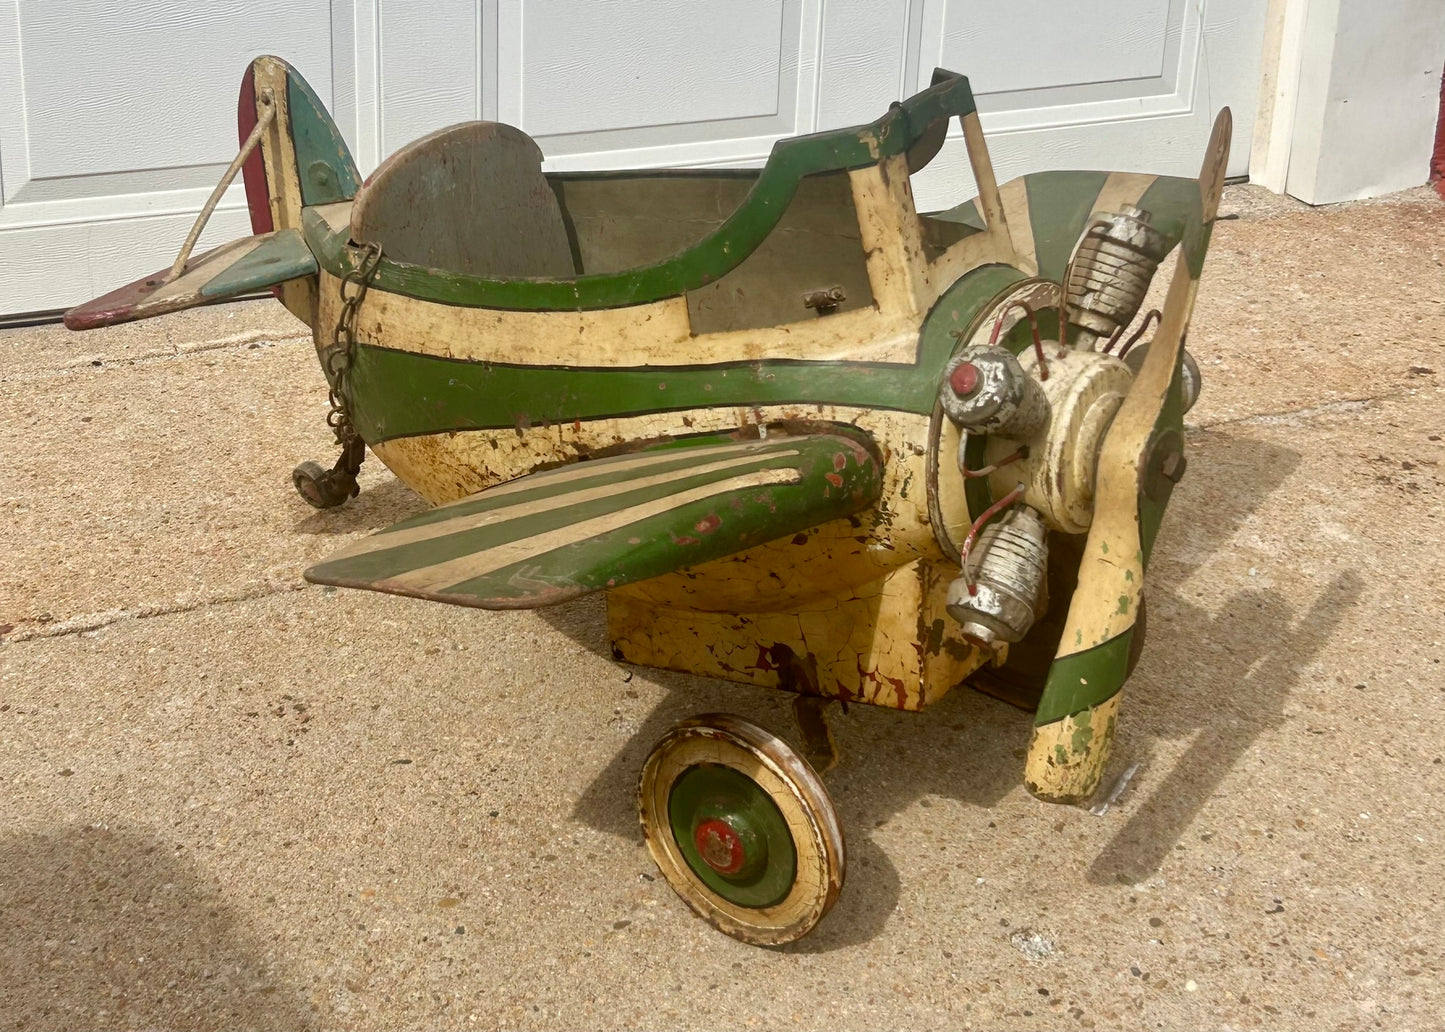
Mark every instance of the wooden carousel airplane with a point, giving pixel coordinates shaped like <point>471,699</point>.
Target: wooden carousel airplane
<point>801,434</point>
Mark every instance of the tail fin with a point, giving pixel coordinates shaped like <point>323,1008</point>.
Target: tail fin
<point>302,159</point>
<point>297,158</point>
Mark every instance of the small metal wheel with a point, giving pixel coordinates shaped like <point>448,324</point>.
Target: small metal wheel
<point>742,828</point>
<point>323,488</point>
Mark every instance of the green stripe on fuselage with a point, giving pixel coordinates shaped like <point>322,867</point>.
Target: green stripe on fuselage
<point>403,394</point>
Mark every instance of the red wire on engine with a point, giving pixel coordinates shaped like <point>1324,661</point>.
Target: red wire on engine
<point>1143,326</point>
<point>1033,325</point>
<point>969,474</point>
<point>988,514</point>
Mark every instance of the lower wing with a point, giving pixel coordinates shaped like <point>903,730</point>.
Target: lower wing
<point>601,523</point>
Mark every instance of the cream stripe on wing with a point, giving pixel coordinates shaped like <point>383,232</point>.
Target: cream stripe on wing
<point>598,468</point>
<point>436,578</point>
<point>1122,188</point>
<point>1015,197</point>
<point>531,507</point>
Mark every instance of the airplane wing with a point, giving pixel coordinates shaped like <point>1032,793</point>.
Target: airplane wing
<point>601,523</point>
<point>240,267</point>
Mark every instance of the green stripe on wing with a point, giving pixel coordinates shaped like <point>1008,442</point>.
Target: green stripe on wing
<point>602,523</point>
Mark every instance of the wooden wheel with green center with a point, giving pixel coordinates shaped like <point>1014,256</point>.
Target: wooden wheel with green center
<point>742,828</point>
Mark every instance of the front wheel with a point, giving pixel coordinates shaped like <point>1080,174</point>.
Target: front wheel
<point>742,829</point>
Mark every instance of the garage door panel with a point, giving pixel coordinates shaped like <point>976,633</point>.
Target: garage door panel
<point>116,120</point>
<point>430,65</point>
<point>91,111</point>
<point>615,64</point>
<point>666,84</point>
<point>869,50</point>
<point>1044,44</point>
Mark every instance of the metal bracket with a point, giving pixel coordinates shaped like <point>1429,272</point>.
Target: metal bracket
<point>819,747</point>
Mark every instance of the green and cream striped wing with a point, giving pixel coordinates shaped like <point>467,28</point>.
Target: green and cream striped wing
<point>1141,458</point>
<point>602,523</point>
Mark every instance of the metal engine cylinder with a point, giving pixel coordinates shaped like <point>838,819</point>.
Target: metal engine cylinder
<point>1110,274</point>
<point>1191,379</point>
<point>986,390</point>
<point>1008,567</point>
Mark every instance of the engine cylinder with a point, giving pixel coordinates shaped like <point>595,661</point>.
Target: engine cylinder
<point>986,390</point>
<point>1110,274</point>
<point>1008,567</point>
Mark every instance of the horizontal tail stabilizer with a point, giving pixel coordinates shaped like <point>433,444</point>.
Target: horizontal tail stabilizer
<point>240,267</point>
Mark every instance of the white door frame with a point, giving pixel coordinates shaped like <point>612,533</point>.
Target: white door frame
<point>1333,123</point>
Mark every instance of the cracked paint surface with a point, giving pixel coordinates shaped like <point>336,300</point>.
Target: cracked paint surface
<point>1070,751</point>
<point>870,644</point>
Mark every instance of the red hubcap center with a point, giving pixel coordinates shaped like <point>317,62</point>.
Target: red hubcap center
<point>964,379</point>
<point>719,846</point>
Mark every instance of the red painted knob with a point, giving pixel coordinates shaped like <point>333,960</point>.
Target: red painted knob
<point>719,846</point>
<point>964,379</point>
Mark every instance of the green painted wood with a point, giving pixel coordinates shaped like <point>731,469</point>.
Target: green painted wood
<point>965,214</point>
<point>585,475</point>
<point>323,162</point>
<point>1059,205</point>
<point>703,263</point>
<point>1173,204</point>
<point>583,538</point>
<point>281,256</point>
<point>1084,679</point>
<point>402,394</point>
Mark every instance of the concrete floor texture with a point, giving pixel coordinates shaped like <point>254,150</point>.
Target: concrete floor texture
<point>232,800</point>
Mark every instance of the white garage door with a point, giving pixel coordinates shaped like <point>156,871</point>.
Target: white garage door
<point>116,119</point>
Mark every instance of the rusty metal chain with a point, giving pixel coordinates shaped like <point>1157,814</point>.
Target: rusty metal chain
<point>343,342</point>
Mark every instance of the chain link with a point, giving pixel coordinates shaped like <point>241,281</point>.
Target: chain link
<point>343,341</point>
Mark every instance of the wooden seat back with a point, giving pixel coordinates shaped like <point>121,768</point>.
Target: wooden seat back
<point>471,199</point>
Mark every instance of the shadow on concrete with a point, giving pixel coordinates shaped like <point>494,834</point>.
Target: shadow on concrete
<point>376,507</point>
<point>104,928</point>
<point>1223,674</point>
<point>1235,697</point>
<point>970,748</point>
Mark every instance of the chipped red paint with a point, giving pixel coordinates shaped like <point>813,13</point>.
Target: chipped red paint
<point>833,479</point>
<point>900,691</point>
<point>1437,161</point>
<point>719,846</point>
<point>258,193</point>
<point>113,307</point>
<point>708,524</point>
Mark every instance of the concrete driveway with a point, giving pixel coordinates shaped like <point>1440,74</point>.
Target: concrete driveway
<point>234,801</point>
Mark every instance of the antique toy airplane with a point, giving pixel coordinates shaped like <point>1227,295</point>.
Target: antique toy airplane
<point>801,434</point>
